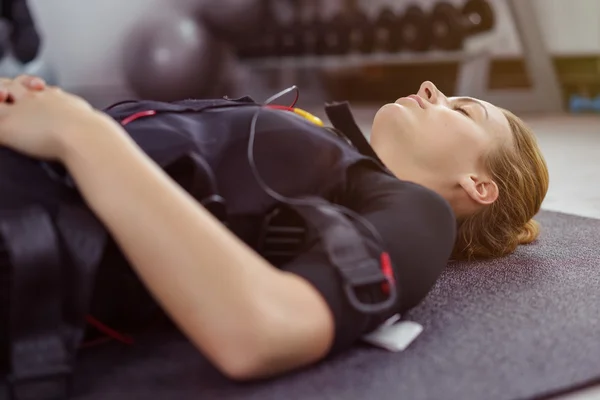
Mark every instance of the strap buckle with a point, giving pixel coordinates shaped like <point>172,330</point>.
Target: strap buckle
<point>368,274</point>
<point>372,308</point>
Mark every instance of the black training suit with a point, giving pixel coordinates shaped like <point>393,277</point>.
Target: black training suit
<point>294,157</point>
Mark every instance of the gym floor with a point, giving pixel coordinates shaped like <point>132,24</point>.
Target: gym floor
<point>571,146</point>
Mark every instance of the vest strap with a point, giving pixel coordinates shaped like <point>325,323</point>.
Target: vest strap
<point>340,116</point>
<point>359,268</point>
<point>40,364</point>
<point>50,294</point>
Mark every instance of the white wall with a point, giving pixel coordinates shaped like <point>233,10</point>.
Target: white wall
<point>84,38</point>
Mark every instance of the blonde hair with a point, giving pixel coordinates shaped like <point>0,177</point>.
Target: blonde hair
<point>521,174</point>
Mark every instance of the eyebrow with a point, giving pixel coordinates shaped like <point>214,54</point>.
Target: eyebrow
<point>475,101</point>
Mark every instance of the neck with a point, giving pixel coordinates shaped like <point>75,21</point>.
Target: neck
<point>453,194</point>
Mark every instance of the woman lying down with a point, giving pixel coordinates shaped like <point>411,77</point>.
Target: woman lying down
<point>448,178</point>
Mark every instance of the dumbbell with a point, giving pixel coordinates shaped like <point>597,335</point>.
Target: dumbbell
<point>291,36</point>
<point>479,15</point>
<point>451,25</point>
<point>333,36</point>
<point>358,26</point>
<point>362,31</point>
<point>348,31</point>
<point>387,32</point>
<point>289,40</point>
<point>448,30</point>
<point>261,41</point>
<point>415,29</point>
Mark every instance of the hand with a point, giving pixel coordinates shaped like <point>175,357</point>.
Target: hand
<point>29,82</point>
<point>35,119</point>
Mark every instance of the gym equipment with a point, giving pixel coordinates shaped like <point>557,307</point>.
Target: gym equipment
<point>362,31</point>
<point>172,58</point>
<point>360,28</point>
<point>348,31</point>
<point>479,16</point>
<point>234,20</point>
<point>25,41</point>
<point>290,38</point>
<point>309,32</point>
<point>270,40</point>
<point>333,36</point>
<point>545,93</point>
<point>387,31</point>
<point>415,26</point>
<point>447,27</point>
<point>451,26</point>
<point>474,62</point>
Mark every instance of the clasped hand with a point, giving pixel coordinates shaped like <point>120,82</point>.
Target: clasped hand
<point>36,119</point>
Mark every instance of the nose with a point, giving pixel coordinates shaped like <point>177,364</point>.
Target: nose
<point>431,93</point>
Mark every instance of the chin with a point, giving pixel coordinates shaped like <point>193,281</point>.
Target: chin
<point>392,119</point>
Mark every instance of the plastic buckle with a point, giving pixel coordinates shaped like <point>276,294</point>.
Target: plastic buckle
<point>374,308</point>
<point>282,235</point>
<point>41,383</point>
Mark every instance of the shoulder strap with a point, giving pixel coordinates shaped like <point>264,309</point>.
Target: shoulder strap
<point>341,118</point>
<point>39,361</point>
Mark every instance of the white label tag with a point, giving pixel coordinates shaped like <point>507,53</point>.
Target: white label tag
<point>393,336</point>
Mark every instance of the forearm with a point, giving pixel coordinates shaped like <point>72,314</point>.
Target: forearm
<point>207,279</point>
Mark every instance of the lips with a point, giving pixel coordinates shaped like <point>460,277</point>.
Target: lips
<point>418,99</point>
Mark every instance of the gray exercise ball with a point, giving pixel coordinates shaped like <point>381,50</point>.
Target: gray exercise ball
<point>173,57</point>
<point>231,19</point>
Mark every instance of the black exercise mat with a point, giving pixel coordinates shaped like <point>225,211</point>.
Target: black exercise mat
<point>515,328</point>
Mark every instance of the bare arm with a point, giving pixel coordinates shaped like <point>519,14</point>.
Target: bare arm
<point>250,319</point>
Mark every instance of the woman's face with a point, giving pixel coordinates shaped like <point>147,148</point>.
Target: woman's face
<point>428,136</point>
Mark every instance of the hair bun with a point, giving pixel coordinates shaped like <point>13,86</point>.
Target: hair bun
<point>529,232</point>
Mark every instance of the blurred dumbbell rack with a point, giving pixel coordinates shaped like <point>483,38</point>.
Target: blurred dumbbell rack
<point>474,60</point>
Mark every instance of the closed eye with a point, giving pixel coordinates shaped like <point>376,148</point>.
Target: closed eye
<point>461,110</point>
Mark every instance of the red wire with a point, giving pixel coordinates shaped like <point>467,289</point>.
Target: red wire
<point>296,99</point>
<point>276,107</point>
<point>137,115</point>
<point>111,333</point>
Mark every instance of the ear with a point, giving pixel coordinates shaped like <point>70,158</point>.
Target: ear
<point>482,190</point>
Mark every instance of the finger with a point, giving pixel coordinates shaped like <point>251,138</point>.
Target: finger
<point>16,90</point>
<point>31,82</point>
<point>4,95</point>
<point>27,81</point>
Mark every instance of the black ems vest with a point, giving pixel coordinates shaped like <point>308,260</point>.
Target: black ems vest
<point>52,246</point>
